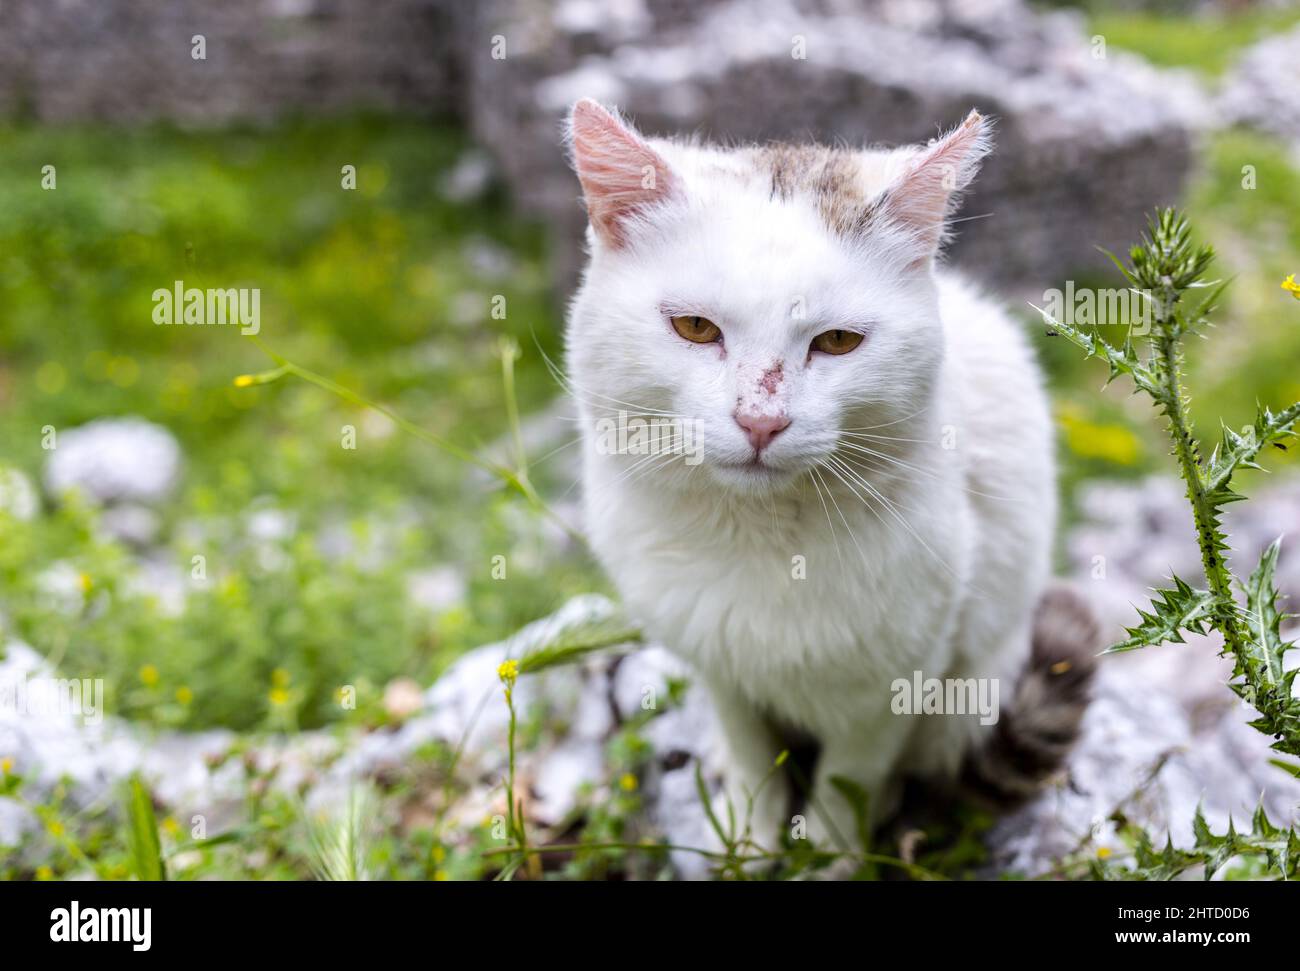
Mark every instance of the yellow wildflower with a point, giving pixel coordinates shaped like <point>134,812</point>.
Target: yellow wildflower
<point>441,875</point>
<point>1291,287</point>
<point>149,675</point>
<point>628,782</point>
<point>243,381</point>
<point>278,697</point>
<point>508,672</point>
<point>6,765</point>
<point>184,695</point>
<point>1103,852</point>
<point>1089,439</point>
<point>44,873</point>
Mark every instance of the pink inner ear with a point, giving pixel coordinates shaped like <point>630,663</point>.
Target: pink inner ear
<point>920,201</point>
<point>620,174</point>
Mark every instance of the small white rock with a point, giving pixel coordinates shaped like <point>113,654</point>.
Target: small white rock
<point>17,497</point>
<point>114,460</point>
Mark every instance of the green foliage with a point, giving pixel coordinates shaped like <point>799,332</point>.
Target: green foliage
<point>142,833</point>
<point>1243,191</point>
<point>1262,680</point>
<point>575,643</point>
<point>1173,611</point>
<point>391,284</point>
<point>1277,847</point>
<point>1165,268</point>
<point>1178,37</point>
<point>340,845</point>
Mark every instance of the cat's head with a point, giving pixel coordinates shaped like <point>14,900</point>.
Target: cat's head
<point>773,299</point>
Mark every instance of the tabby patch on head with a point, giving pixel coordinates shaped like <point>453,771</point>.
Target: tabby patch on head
<point>829,176</point>
<point>624,175</point>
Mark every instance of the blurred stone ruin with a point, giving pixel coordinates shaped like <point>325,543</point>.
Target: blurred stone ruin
<point>1089,137</point>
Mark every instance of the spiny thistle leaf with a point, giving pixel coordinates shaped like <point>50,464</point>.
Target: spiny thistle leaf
<point>1239,449</point>
<point>1199,317</point>
<point>1265,682</point>
<point>1119,361</point>
<point>1183,608</point>
<point>1165,265</point>
<point>1278,847</point>
<point>1265,620</point>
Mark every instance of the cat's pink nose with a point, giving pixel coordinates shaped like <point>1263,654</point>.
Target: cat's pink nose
<point>761,429</point>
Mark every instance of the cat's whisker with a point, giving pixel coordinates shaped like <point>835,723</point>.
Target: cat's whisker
<point>585,395</point>
<point>893,511</point>
<point>650,418</point>
<point>632,409</point>
<point>897,421</point>
<point>555,451</point>
<point>894,460</point>
<point>651,469</point>
<point>974,586</point>
<point>837,465</point>
<point>669,445</point>
<point>628,476</point>
<point>887,438</point>
<point>813,477</point>
<point>860,465</point>
<point>966,219</point>
<point>847,528</point>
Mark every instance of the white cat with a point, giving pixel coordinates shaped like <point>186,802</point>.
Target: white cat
<point>874,491</point>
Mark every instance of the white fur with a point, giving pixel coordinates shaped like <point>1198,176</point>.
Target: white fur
<point>941,578</point>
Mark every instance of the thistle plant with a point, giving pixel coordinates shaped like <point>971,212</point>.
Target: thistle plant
<point>1168,272</point>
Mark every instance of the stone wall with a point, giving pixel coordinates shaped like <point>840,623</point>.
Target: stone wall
<point>1086,144</point>
<point>132,60</point>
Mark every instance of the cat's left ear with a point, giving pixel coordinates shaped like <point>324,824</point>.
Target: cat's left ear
<point>622,176</point>
<point>922,198</point>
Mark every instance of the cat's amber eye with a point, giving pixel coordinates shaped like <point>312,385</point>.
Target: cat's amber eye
<point>836,341</point>
<point>697,330</point>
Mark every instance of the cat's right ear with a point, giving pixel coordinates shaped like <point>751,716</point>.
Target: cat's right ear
<point>621,175</point>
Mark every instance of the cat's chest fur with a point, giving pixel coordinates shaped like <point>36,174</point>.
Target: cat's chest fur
<point>807,603</point>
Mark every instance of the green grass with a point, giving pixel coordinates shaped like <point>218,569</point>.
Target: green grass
<point>1208,43</point>
<point>386,289</point>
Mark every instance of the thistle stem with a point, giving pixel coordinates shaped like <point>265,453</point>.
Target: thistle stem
<point>1203,513</point>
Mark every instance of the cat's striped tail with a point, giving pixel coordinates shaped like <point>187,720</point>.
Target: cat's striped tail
<point>1034,734</point>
